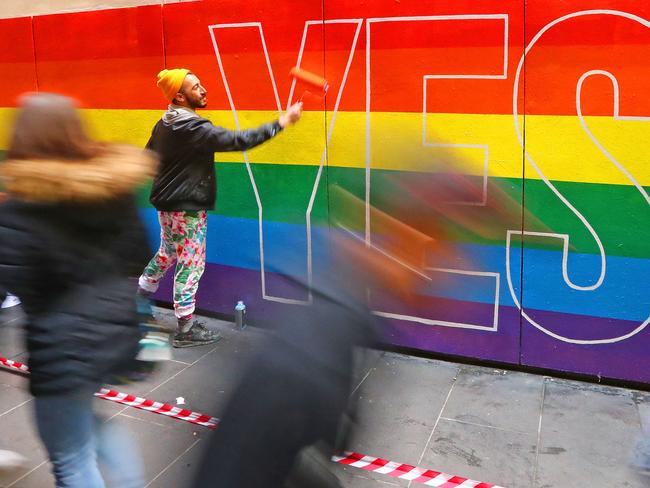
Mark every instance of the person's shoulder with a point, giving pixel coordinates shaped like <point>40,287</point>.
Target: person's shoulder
<point>200,122</point>
<point>11,207</point>
<point>16,216</point>
<point>191,124</point>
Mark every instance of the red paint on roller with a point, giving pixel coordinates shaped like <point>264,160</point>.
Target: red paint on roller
<point>309,78</point>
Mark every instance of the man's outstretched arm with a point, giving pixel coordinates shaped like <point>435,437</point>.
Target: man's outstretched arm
<point>219,139</point>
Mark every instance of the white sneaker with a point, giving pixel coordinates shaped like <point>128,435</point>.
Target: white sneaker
<point>10,301</point>
<point>10,460</point>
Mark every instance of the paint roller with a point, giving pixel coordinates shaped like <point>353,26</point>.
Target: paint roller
<point>317,83</point>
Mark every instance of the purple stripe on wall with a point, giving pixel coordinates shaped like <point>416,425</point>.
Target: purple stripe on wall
<point>628,359</point>
<point>222,286</point>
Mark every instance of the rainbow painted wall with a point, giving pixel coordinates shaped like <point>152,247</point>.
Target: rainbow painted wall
<point>548,97</point>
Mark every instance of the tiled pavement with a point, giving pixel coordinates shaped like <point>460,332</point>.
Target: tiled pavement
<point>513,429</point>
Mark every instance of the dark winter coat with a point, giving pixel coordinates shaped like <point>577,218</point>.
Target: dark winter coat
<point>186,143</point>
<point>70,236</point>
<point>293,394</point>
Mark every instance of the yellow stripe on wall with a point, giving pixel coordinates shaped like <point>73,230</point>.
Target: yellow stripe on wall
<point>557,144</point>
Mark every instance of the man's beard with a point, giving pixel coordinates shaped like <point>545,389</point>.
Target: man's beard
<point>194,104</point>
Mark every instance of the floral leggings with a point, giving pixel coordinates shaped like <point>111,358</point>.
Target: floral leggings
<point>182,240</point>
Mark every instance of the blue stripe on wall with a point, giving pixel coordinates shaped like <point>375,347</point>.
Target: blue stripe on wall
<point>623,294</point>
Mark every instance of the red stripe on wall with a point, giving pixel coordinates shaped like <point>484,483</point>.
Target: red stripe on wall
<point>16,60</point>
<point>109,59</point>
<point>106,59</point>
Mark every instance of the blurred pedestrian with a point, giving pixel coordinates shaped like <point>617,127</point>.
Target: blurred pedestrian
<point>70,236</point>
<point>292,409</point>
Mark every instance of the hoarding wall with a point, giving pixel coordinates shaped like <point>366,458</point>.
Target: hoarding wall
<point>547,98</point>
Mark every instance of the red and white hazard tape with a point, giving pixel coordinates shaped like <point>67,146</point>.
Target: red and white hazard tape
<point>137,402</point>
<point>157,407</point>
<point>407,472</point>
<point>14,364</point>
<point>427,477</point>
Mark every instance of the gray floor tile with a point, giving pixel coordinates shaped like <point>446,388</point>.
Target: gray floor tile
<point>11,398</point>
<point>487,430</point>
<point>168,370</point>
<point>399,404</point>
<point>41,477</point>
<point>180,472</point>
<point>159,444</point>
<point>588,432</point>
<point>505,458</point>
<point>17,432</point>
<point>207,384</point>
<point>13,379</point>
<point>364,361</point>
<point>11,333</point>
<point>496,398</point>
<point>358,478</point>
<point>642,400</point>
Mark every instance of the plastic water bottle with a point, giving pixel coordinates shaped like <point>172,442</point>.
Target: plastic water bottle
<point>240,315</point>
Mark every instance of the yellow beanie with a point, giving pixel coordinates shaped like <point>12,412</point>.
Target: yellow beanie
<point>171,80</point>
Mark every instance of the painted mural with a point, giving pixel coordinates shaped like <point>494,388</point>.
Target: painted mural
<point>547,98</point>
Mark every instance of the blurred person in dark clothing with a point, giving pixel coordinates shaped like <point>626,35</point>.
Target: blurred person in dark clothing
<point>295,393</point>
<point>70,236</point>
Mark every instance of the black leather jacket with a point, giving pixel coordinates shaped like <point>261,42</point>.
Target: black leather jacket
<point>186,143</point>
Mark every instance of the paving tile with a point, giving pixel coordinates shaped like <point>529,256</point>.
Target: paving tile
<point>496,398</point>
<point>487,430</point>
<point>17,433</point>
<point>358,478</point>
<point>181,472</point>
<point>160,445</point>
<point>206,385</point>
<point>588,433</point>
<point>505,458</point>
<point>642,400</point>
<point>41,477</point>
<point>399,403</point>
<point>12,397</point>
<point>11,333</point>
<point>14,316</point>
<point>364,361</point>
<point>168,369</point>
<point>13,379</point>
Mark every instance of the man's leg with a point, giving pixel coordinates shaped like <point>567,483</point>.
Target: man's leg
<point>166,255</point>
<point>189,269</point>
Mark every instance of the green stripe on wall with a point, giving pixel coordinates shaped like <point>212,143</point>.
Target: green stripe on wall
<point>618,213</point>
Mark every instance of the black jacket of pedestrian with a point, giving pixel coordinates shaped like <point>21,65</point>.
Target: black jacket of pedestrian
<point>293,394</point>
<point>186,143</point>
<point>70,236</point>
